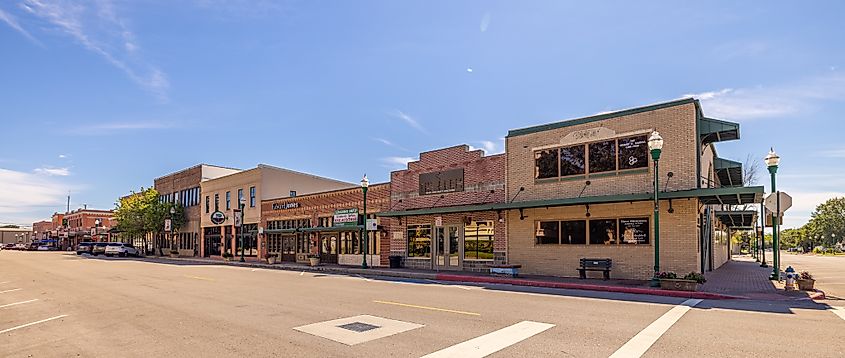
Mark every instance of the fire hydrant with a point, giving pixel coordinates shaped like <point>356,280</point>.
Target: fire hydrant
<point>791,276</point>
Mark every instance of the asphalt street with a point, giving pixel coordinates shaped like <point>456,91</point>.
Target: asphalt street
<point>60,305</point>
<point>829,272</point>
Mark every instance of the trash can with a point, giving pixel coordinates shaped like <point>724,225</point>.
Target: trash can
<point>395,261</point>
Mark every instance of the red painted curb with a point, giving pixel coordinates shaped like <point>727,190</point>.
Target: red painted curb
<point>817,295</point>
<point>581,286</point>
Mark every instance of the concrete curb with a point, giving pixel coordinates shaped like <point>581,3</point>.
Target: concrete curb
<point>471,279</point>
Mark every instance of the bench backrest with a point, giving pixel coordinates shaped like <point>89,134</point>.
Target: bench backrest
<point>601,263</point>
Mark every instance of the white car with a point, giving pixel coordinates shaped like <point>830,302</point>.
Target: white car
<point>121,249</point>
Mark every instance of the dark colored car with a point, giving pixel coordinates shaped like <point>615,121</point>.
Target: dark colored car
<point>32,246</point>
<point>99,248</point>
<point>85,248</point>
<point>9,246</point>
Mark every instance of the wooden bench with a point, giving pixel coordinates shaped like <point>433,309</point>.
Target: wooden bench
<point>588,264</point>
<point>505,270</point>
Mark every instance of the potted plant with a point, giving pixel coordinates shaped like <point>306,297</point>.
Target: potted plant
<point>690,282</point>
<point>174,253</point>
<point>806,281</point>
<point>314,259</point>
<point>227,256</point>
<point>271,259</point>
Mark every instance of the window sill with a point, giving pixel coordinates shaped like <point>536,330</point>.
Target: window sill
<point>592,176</point>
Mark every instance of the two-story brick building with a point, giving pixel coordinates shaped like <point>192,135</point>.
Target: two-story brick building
<point>443,204</point>
<point>583,188</point>
<point>86,225</point>
<point>328,224</point>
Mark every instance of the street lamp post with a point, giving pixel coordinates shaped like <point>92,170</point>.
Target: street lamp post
<point>365,184</point>
<point>170,228</point>
<point>655,146</point>
<point>242,205</point>
<point>772,160</point>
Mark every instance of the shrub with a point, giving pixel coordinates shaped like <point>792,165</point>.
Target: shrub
<point>227,255</point>
<point>806,275</point>
<point>667,275</point>
<point>695,276</point>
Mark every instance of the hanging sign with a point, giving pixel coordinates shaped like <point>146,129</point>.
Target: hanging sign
<point>218,217</point>
<point>346,217</point>
<point>372,224</point>
<point>438,221</point>
<point>167,225</point>
<point>238,215</point>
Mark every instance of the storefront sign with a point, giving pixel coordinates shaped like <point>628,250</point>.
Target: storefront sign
<point>588,135</point>
<point>218,217</point>
<point>372,224</point>
<point>284,206</point>
<point>447,181</point>
<point>346,217</point>
<point>438,221</point>
<point>633,231</point>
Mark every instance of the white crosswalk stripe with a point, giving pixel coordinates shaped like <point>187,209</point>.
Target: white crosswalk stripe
<point>492,342</point>
<point>638,345</point>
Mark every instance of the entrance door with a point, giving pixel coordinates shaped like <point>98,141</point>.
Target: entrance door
<point>328,249</point>
<point>289,248</point>
<point>448,247</point>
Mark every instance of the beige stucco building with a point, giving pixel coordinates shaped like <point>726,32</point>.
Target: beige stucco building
<point>221,196</point>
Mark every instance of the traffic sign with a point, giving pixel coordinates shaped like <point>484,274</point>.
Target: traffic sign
<point>773,205</point>
<point>167,225</point>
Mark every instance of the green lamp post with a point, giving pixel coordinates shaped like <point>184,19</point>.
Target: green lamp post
<point>241,205</point>
<point>655,146</point>
<point>772,160</point>
<point>365,184</point>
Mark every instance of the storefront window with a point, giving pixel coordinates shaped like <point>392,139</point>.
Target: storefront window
<point>603,232</point>
<point>572,160</point>
<point>602,156</point>
<point>419,240</point>
<point>633,152</point>
<point>633,231</point>
<point>548,233</point>
<point>574,232</point>
<point>349,243</point>
<point>478,240</point>
<point>545,164</point>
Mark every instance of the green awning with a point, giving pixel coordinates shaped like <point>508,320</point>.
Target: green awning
<point>726,195</point>
<point>716,130</point>
<point>738,219</point>
<point>729,172</point>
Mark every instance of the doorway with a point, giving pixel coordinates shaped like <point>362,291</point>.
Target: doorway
<point>328,249</point>
<point>448,248</point>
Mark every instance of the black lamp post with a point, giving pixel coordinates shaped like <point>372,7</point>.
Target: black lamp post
<point>241,205</point>
<point>365,184</point>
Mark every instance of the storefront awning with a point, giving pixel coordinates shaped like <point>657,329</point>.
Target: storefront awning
<point>728,171</point>
<point>726,195</point>
<point>738,219</point>
<point>331,228</point>
<point>714,130</point>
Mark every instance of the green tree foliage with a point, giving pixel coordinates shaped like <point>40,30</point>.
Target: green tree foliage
<point>827,223</point>
<point>141,213</point>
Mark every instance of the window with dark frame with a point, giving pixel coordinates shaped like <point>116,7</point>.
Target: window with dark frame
<point>548,233</point>
<point>228,200</point>
<point>603,232</point>
<point>252,197</point>
<point>206,204</point>
<point>216,202</point>
<point>633,152</point>
<point>572,161</point>
<point>573,232</point>
<point>546,164</point>
<point>602,156</point>
<point>419,241</point>
<point>478,240</point>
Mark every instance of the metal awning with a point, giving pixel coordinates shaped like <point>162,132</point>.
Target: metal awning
<point>726,195</point>
<point>738,219</point>
<point>716,130</point>
<point>729,172</point>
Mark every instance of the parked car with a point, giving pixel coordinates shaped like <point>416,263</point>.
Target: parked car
<point>99,248</point>
<point>32,246</point>
<point>85,248</point>
<point>122,250</point>
<point>8,246</point>
<point>20,246</point>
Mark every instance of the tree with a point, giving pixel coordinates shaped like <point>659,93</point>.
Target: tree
<point>141,213</point>
<point>827,223</point>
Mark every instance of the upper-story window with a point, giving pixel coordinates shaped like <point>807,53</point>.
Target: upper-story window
<point>206,204</point>
<point>597,157</point>
<point>228,200</point>
<point>240,196</point>
<point>216,202</point>
<point>292,193</point>
<point>252,197</point>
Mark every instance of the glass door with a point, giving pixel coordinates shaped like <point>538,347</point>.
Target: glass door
<point>447,250</point>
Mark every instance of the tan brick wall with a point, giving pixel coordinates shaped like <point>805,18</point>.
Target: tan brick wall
<point>676,124</point>
<point>678,241</point>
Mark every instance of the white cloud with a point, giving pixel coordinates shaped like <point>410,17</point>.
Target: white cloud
<point>29,196</point>
<point>485,22</point>
<point>772,101</point>
<point>13,23</point>
<point>62,156</point>
<point>803,204</point>
<point>411,121</point>
<point>490,147</point>
<point>833,153</point>
<point>112,127</point>
<point>62,172</point>
<point>389,143</point>
<point>397,162</point>
<point>100,30</point>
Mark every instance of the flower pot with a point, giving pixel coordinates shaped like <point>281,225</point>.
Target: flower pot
<point>174,255</point>
<point>314,261</point>
<point>271,260</point>
<point>678,284</point>
<point>805,284</point>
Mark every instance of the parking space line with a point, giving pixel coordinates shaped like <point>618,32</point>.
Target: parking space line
<point>12,290</point>
<point>17,303</point>
<point>839,311</point>
<point>200,278</point>
<point>32,323</point>
<point>638,345</point>
<point>493,342</point>
<point>427,308</point>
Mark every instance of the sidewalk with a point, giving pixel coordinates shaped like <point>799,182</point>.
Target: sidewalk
<point>618,286</point>
<point>742,276</point>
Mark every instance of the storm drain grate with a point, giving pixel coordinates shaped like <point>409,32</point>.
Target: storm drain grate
<point>358,327</point>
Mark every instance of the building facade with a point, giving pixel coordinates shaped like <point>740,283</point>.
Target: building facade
<point>85,225</point>
<point>443,204</point>
<point>183,188</point>
<point>41,230</point>
<point>329,224</point>
<point>584,188</point>
<point>221,197</point>
<point>14,235</point>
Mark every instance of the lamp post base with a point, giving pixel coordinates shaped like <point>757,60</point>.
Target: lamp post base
<point>774,277</point>
<point>655,282</point>
<point>242,260</point>
<point>764,265</point>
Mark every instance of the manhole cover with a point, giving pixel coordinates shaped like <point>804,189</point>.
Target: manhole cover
<point>358,326</point>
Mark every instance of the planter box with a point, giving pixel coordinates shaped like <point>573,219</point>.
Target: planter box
<point>175,256</point>
<point>314,261</point>
<point>271,260</point>
<point>806,285</point>
<point>678,284</point>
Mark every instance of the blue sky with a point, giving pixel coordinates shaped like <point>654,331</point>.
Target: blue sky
<point>99,97</point>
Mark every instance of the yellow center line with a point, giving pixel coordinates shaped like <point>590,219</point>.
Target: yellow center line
<point>200,278</point>
<point>427,308</point>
